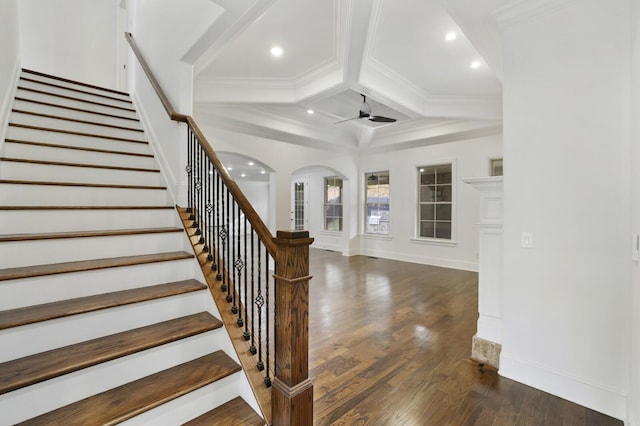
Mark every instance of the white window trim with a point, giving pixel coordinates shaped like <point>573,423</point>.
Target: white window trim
<point>454,204</point>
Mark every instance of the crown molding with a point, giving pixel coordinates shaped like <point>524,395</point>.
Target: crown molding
<point>521,11</point>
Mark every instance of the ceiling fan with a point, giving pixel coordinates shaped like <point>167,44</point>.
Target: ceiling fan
<point>365,112</point>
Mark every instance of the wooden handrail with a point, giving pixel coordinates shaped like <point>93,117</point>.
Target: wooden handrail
<point>166,103</point>
<point>261,229</point>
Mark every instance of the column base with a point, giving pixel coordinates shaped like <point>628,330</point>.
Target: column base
<point>485,351</point>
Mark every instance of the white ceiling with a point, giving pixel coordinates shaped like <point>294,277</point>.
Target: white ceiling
<point>393,51</point>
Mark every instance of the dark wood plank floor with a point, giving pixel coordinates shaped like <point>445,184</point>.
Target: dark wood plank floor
<point>390,345</point>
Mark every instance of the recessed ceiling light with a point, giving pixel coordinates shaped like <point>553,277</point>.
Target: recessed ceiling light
<point>475,64</point>
<point>243,175</point>
<point>229,168</point>
<point>251,163</point>
<point>277,51</point>
<point>310,111</point>
<point>262,172</point>
<point>451,36</point>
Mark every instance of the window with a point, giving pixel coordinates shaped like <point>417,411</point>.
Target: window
<point>333,204</point>
<point>435,201</point>
<point>377,203</point>
<point>496,167</point>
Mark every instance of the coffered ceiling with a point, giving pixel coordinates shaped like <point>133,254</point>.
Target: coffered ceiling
<point>411,58</point>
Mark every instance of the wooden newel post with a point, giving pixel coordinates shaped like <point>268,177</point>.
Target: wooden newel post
<point>292,392</point>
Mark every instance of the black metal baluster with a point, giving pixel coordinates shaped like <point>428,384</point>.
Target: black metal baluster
<point>237,265</point>
<point>245,334</point>
<point>252,348</point>
<point>267,379</point>
<point>260,303</point>
<point>216,264</point>
<point>223,237</point>
<point>209,209</point>
<point>189,170</point>
<point>228,253</point>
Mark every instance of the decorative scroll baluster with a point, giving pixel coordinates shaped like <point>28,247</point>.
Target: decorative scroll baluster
<point>260,303</point>
<point>216,266</point>
<point>237,264</point>
<point>189,170</point>
<point>209,209</point>
<point>252,348</point>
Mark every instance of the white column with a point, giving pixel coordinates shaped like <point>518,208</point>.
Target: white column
<point>487,341</point>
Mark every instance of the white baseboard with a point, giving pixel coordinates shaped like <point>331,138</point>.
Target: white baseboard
<point>7,102</point>
<point>425,260</point>
<point>575,389</point>
<point>173,185</point>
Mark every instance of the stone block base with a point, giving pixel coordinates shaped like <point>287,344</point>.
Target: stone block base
<point>485,352</point>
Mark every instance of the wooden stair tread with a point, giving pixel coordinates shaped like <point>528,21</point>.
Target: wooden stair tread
<point>233,413</point>
<point>73,89</point>
<point>87,207</point>
<point>87,234</point>
<point>83,165</point>
<point>75,133</point>
<point>71,98</point>
<point>76,120</point>
<point>88,111</point>
<point>82,184</point>
<point>55,77</point>
<point>124,402</point>
<point>77,148</point>
<point>64,308</point>
<point>43,366</point>
<point>88,265</point>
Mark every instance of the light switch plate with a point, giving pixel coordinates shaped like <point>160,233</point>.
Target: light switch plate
<point>526,240</point>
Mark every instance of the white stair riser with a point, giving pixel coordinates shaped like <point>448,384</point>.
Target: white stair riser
<point>34,152</point>
<point>119,102</point>
<point>191,405</point>
<point>52,288</point>
<point>54,173</point>
<point>84,88</point>
<point>65,139</point>
<point>74,104</point>
<point>37,221</point>
<point>52,195</point>
<point>55,123</point>
<point>46,396</point>
<point>79,115</point>
<point>29,339</point>
<point>17,254</point>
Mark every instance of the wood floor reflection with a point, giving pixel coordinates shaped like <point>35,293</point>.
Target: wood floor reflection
<point>390,344</point>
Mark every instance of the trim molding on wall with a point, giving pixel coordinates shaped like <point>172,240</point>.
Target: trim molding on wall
<point>5,106</point>
<point>596,396</point>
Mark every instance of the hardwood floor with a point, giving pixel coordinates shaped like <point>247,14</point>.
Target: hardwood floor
<point>390,344</point>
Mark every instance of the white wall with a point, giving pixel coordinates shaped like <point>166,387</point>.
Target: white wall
<point>633,402</point>
<point>9,59</point>
<point>470,158</point>
<point>165,30</point>
<point>566,151</point>
<point>76,39</point>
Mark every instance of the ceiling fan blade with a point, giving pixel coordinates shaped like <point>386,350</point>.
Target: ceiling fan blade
<point>381,119</point>
<point>348,119</point>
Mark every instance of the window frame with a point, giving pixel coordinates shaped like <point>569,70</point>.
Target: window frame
<point>326,204</point>
<point>452,240</point>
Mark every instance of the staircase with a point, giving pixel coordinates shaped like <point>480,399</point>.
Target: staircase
<point>104,317</point>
